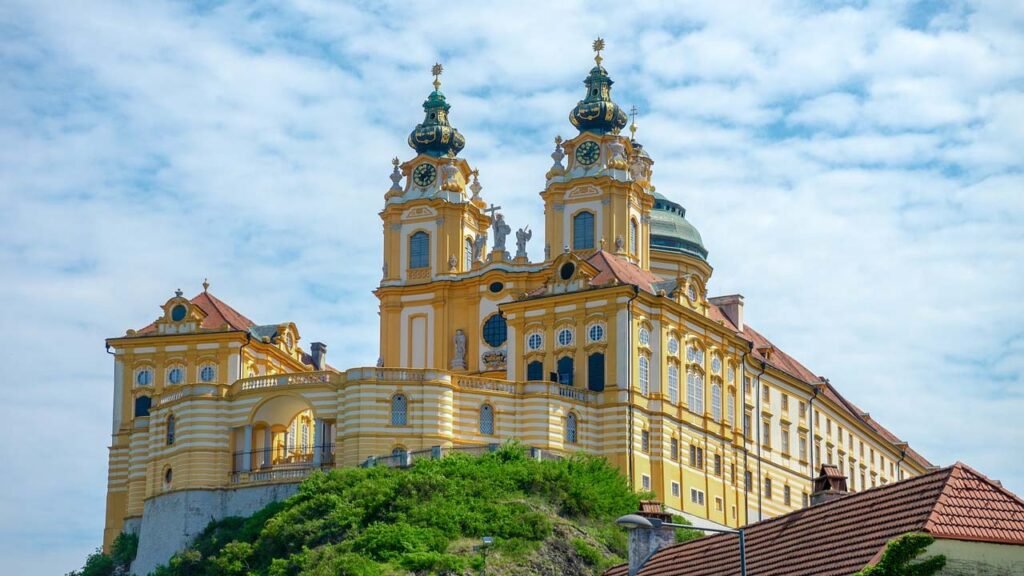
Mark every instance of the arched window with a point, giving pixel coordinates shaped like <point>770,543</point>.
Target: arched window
<point>399,410</point>
<point>170,429</point>
<point>645,376</point>
<point>583,231</point>
<point>565,370</point>
<point>486,419</point>
<point>468,256</point>
<point>716,402</point>
<point>397,451</point>
<point>495,331</point>
<point>535,371</point>
<point>142,405</point>
<point>419,250</point>
<point>595,371</point>
<point>673,383</point>
<point>730,407</point>
<point>633,233</point>
<point>695,392</point>
<point>570,428</point>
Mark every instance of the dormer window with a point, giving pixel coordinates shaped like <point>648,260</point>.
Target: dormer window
<point>178,312</point>
<point>289,341</point>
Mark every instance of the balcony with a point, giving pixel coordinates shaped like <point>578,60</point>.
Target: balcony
<point>268,466</point>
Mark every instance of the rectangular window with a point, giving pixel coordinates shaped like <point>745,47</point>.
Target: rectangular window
<point>693,455</point>
<point>803,448</point>
<point>645,441</point>
<point>839,435</point>
<point>732,473</point>
<point>730,408</point>
<point>675,489</point>
<point>785,441</point>
<point>862,449</point>
<point>853,478</point>
<point>766,394</point>
<point>767,488</point>
<point>803,410</point>
<point>718,464</point>
<point>746,424</point>
<point>419,250</point>
<point>863,484</point>
<point>829,456</point>
<point>747,386</point>
<point>804,500</point>
<point>786,496</point>
<point>766,433</point>
<point>872,461</point>
<point>828,427</point>
<point>718,504</point>
<point>748,481</point>
<point>697,496</point>
<point>817,453</point>
<point>700,458</point>
<point>849,438</point>
<point>785,402</point>
<point>645,480</point>
<point>674,449</point>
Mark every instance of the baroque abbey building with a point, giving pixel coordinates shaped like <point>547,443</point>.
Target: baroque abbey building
<point>609,344</point>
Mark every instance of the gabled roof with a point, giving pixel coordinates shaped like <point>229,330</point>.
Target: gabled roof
<point>612,267</point>
<point>217,315</point>
<point>763,349</point>
<point>842,536</point>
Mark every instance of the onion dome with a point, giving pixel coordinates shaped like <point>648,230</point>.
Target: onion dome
<point>596,112</point>
<point>435,136</point>
<point>670,231</point>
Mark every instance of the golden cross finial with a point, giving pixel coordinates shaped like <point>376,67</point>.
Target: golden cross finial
<point>598,46</point>
<point>436,71</point>
<point>632,126</point>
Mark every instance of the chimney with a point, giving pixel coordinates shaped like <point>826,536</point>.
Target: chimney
<point>732,307</point>
<point>318,353</point>
<point>644,542</point>
<point>829,485</point>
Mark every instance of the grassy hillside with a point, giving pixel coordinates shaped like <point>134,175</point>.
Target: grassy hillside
<point>551,517</point>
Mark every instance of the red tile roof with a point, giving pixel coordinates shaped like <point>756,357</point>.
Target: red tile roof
<point>217,315</point>
<point>764,349</point>
<point>842,536</point>
<point>611,267</point>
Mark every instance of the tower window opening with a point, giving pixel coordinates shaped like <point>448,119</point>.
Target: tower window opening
<point>583,231</point>
<point>419,250</point>
<point>399,410</point>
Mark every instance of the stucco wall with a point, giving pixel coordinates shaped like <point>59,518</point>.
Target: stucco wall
<point>171,521</point>
<point>979,558</point>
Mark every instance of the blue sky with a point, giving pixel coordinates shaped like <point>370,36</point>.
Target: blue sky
<point>855,170</point>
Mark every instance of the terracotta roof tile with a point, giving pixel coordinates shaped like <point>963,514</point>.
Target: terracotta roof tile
<point>840,537</point>
<point>611,267</point>
<point>217,315</point>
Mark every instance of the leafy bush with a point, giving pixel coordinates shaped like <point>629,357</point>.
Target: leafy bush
<point>901,558</point>
<point>382,521</point>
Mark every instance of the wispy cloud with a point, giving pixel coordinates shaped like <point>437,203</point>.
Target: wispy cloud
<point>855,171</point>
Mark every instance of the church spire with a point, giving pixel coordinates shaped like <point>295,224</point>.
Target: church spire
<point>596,112</point>
<point>435,136</point>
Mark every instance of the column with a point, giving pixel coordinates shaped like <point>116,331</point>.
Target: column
<point>247,448</point>
<point>268,438</point>
<point>318,441</point>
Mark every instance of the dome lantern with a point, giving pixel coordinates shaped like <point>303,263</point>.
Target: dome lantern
<point>596,112</point>
<point>435,136</point>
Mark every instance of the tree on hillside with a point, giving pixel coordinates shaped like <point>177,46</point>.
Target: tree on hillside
<point>900,558</point>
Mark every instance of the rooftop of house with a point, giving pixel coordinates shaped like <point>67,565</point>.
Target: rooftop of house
<point>841,536</point>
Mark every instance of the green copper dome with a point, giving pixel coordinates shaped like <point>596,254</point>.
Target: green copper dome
<point>435,136</point>
<point>596,112</point>
<point>670,232</point>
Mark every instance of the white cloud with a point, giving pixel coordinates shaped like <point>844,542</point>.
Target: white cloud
<point>858,181</point>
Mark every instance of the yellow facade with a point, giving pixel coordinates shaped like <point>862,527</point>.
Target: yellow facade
<point>608,344</point>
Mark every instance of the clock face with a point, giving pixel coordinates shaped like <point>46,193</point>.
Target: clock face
<point>588,153</point>
<point>424,174</point>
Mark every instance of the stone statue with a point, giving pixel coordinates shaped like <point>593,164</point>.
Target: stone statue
<point>479,246</point>
<point>501,230</point>
<point>557,156</point>
<point>620,243</point>
<point>618,155</point>
<point>459,360</point>
<point>380,361</point>
<point>637,171</point>
<point>452,263</point>
<point>523,236</point>
<point>448,179</point>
